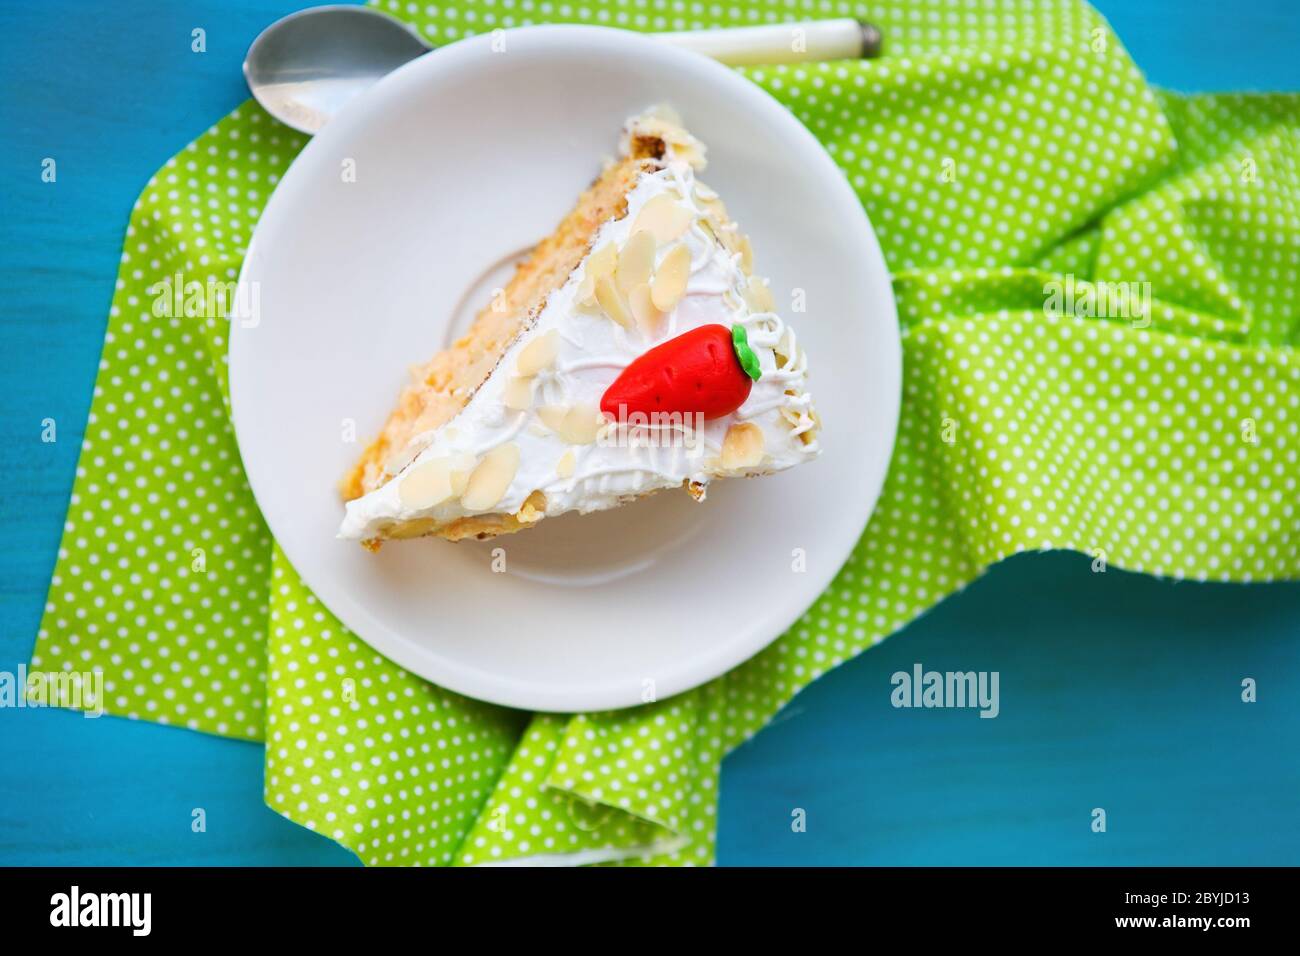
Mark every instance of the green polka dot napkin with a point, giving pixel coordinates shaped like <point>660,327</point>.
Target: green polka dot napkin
<point>1098,289</point>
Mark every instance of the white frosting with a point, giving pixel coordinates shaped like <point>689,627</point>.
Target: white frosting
<point>592,351</point>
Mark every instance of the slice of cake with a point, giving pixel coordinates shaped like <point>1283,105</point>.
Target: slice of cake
<point>633,351</point>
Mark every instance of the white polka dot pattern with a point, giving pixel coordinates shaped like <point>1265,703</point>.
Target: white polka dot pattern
<point>1000,147</point>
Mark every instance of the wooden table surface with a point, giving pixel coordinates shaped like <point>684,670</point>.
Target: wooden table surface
<point>1116,691</point>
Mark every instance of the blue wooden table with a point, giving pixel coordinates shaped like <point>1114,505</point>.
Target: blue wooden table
<point>1116,691</point>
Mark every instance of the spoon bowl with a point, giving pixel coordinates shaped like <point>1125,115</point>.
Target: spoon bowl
<point>303,68</point>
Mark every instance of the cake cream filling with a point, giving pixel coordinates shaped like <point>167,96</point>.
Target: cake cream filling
<point>626,459</point>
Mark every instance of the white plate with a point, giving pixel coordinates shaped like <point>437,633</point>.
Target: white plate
<point>462,160</point>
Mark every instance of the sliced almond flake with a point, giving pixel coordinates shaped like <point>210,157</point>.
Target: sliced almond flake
<point>461,467</point>
<point>664,217</point>
<point>743,446</point>
<point>491,478</point>
<point>552,416</point>
<point>426,485</point>
<point>648,318</point>
<point>635,262</point>
<point>704,193</point>
<point>671,278</point>
<point>538,354</point>
<point>746,255</point>
<point>602,261</point>
<point>689,153</point>
<point>581,425</point>
<point>589,306</point>
<point>518,394</point>
<point>567,463</point>
<point>611,302</point>
<point>759,296</point>
<point>599,264</point>
<point>715,207</point>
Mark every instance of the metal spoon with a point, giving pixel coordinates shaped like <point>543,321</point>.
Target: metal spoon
<point>303,68</point>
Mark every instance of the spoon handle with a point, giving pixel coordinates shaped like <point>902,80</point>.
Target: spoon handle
<point>843,39</point>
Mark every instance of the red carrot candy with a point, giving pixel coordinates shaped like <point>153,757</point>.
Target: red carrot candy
<point>708,370</point>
